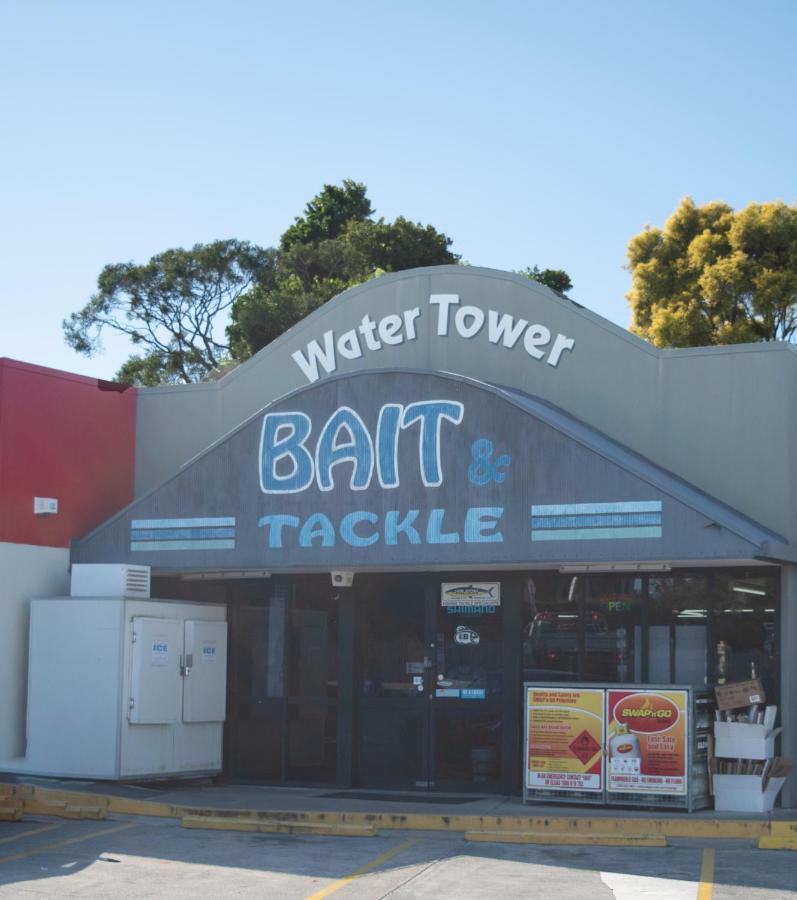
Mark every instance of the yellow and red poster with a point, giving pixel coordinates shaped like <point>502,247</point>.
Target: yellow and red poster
<point>646,741</point>
<point>564,739</point>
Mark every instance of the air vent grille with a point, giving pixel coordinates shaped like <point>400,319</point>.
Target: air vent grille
<point>110,580</point>
<point>137,581</point>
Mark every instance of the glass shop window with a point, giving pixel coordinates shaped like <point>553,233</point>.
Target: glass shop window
<point>613,628</point>
<point>551,616</point>
<point>260,650</point>
<point>678,629</point>
<point>745,616</point>
<point>313,647</point>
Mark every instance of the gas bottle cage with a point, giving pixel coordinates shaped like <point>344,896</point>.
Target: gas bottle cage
<point>629,727</point>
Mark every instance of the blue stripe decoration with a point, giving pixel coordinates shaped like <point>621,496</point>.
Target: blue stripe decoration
<point>178,534</point>
<point>154,546</point>
<point>596,521</point>
<point>577,509</point>
<point>182,523</point>
<point>216,533</point>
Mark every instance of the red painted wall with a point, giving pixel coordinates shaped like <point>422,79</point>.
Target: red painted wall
<point>62,436</point>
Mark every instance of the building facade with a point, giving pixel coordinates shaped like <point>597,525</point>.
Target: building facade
<point>439,485</point>
<point>448,481</point>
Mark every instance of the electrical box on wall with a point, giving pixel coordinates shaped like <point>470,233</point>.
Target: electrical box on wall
<point>45,506</point>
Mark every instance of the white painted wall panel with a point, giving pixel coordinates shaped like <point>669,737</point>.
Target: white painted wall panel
<point>25,572</point>
<point>74,695</point>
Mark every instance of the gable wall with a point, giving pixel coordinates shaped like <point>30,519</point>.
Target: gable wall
<point>720,418</point>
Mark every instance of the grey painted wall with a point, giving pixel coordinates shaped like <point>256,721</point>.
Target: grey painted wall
<point>721,418</point>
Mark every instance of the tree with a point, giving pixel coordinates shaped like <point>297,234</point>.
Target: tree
<point>175,305</point>
<point>171,306</point>
<point>335,245</point>
<point>556,279</point>
<point>328,213</point>
<point>713,275</point>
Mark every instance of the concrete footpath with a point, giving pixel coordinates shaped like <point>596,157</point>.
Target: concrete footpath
<point>361,813</point>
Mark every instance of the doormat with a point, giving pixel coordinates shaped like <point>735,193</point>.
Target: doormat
<point>393,798</point>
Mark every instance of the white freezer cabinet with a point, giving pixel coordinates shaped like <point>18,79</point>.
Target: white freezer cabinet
<point>121,688</point>
<point>177,671</point>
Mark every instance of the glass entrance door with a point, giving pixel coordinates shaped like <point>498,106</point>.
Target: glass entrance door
<point>429,689</point>
<point>394,685</point>
<point>468,694</point>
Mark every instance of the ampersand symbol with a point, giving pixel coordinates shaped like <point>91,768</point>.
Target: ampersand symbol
<point>483,469</point>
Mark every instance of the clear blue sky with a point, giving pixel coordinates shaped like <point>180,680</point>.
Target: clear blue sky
<point>530,132</point>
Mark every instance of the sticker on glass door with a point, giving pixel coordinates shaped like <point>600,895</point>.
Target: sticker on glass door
<point>466,636</point>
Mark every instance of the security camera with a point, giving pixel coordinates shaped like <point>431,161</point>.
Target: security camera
<point>343,579</point>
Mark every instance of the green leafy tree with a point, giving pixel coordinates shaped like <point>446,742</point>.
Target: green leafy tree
<point>713,275</point>
<point>556,279</point>
<point>328,213</point>
<point>335,245</point>
<point>172,308</point>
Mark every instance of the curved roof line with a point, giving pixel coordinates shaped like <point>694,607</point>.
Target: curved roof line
<point>316,317</point>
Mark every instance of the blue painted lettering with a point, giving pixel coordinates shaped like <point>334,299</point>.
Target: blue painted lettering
<point>362,528</point>
<point>282,438</point>
<point>434,529</point>
<point>358,449</point>
<point>288,467</point>
<point>430,413</point>
<point>387,435</point>
<point>275,524</point>
<point>317,526</point>
<point>393,528</point>
<point>348,523</point>
<point>480,525</point>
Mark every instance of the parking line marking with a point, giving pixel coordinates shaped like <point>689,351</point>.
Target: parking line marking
<point>28,833</point>
<point>705,889</point>
<point>363,870</point>
<point>65,843</point>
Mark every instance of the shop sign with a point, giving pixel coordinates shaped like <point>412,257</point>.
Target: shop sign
<point>647,741</point>
<point>468,594</point>
<point>397,469</point>
<point>448,318</point>
<point>565,737</point>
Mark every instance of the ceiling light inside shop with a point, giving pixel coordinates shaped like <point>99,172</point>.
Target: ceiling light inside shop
<point>744,589</point>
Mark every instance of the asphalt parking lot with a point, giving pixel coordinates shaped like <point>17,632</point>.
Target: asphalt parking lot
<point>137,857</point>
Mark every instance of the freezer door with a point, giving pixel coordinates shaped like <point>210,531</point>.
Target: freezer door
<point>205,683</point>
<point>155,671</point>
